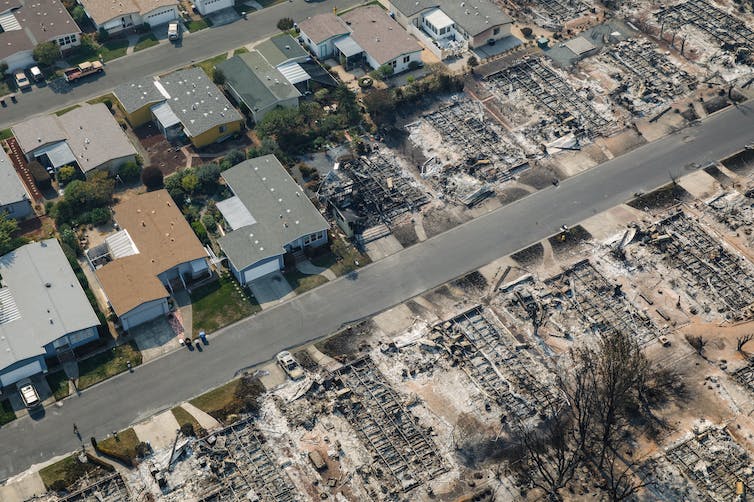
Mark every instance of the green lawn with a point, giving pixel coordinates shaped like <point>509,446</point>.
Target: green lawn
<point>183,417</point>
<point>146,41</point>
<point>113,49</point>
<point>66,110</point>
<point>216,400</point>
<point>123,448</point>
<point>58,382</point>
<point>107,364</point>
<point>342,258</point>
<point>5,134</point>
<point>196,25</point>
<point>302,282</point>
<point>4,88</point>
<point>218,304</point>
<point>6,412</point>
<point>237,396</point>
<point>62,474</point>
<point>240,50</point>
<point>208,65</point>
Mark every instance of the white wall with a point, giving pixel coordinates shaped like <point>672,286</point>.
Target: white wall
<point>322,50</point>
<point>399,64</point>
<point>160,16</point>
<point>207,6</point>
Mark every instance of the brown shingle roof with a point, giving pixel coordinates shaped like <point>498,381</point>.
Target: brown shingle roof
<point>378,34</point>
<point>38,21</point>
<point>322,27</point>
<point>103,11</point>
<point>164,240</point>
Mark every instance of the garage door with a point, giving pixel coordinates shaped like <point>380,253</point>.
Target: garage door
<point>25,371</point>
<point>144,314</point>
<point>161,16</point>
<point>260,270</point>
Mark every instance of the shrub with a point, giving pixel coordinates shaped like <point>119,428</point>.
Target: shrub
<point>472,61</point>
<point>40,174</point>
<point>129,171</point>
<point>152,178</point>
<point>102,35</point>
<point>207,177</point>
<point>386,71</point>
<point>232,158</point>
<point>366,82</point>
<point>321,95</point>
<point>200,232</point>
<point>189,182</point>
<point>99,216</point>
<point>46,53</point>
<point>209,222</point>
<point>218,77</point>
<point>285,24</point>
<point>526,31</point>
<point>413,65</point>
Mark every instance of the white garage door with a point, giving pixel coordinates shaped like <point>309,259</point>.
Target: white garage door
<point>144,314</point>
<point>257,272</point>
<point>160,16</point>
<point>25,371</point>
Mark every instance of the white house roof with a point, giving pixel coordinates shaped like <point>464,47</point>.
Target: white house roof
<point>348,47</point>
<point>165,115</point>
<point>293,73</point>
<point>438,19</point>
<point>11,188</point>
<point>235,213</point>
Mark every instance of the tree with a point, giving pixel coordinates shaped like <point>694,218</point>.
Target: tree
<point>46,53</point>
<point>8,227</point>
<point>102,35</point>
<point>40,174</point>
<point>66,174</point>
<point>207,176</point>
<point>189,182</point>
<point>380,104</point>
<point>129,171</point>
<point>285,24</point>
<point>218,77</point>
<point>526,31</point>
<point>743,340</point>
<point>152,178</point>
<point>3,68</point>
<point>278,121</point>
<point>621,483</point>
<point>386,71</point>
<point>472,61</point>
<point>232,158</point>
<point>698,343</point>
<point>78,14</point>
<point>347,104</point>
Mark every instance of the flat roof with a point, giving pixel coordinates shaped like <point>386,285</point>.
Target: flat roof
<point>257,82</point>
<point>11,188</point>
<point>580,45</point>
<point>27,23</point>
<point>102,11</point>
<point>281,211</point>
<point>438,19</point>
<point>282,49</point>
<point>163,239</point>
<point>473,16</point>
<point>379,34</point>
<point>323,27</point>
<point>90,131</point>
<point>348,46</point>
<point>40,301</point>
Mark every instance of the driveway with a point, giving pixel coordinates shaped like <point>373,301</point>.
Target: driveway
<point>181,375</point>
<point>271,290</point>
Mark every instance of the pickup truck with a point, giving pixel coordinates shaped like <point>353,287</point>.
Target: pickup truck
<point>82,70</point>
<point>22,81</point>
<point>174,31</point>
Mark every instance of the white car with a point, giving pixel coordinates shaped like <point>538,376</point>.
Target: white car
<point>22,81</point>
<point>290,365</point>
<point>28,393</point>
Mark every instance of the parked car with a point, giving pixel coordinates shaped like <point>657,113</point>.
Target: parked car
<point>290,365</point>
<point>22,81</point>
<point>36,74</point>
<point>28,394</point>
<point>174,31</point>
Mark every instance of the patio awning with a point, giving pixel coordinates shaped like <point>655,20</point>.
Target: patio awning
<point>59,153</point>
<point>293,73</point>
<point>164,115</point>
<point>348,47</point>
<point>121,245</point>
<point>235,213</point>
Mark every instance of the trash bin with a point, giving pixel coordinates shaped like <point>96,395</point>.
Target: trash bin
<point>203,336</point>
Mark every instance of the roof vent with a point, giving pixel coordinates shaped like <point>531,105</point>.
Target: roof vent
<point>48,285</point>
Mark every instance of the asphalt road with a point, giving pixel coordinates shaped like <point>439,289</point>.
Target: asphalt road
<point>178,376</point>
<point>163,58</point>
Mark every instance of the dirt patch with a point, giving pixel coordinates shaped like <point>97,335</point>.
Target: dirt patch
<point>509,195</point>
<point>348,343</point>
<point>662,198</point>
<point>162,154</point>
<point>438,221</point>
<point>305,360</point>
<point>473,282</point>
<point>530,256</point>
<point>538,177</point>
<point>406,235</point>
<point>715,104</point>
<point>568,240</point>
<point>742,163</point>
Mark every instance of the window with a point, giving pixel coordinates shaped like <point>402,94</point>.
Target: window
<point>406,59</point>
<point>496,31</point>
<point>443,30</point>
<point>223,128</point>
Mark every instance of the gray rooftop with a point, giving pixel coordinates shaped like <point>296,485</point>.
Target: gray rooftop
<point>257,82</point>
<point>474,16</point>
<point>90,131</point>
<point>40,301</point>
<point>279,206</point>
<point>282,49</point>
<point>30,22</point>
<point>11,188</point>
<point>192,96</point>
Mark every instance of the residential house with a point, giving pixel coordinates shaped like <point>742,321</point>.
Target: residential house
<point>87,137</point>
<point>269,215</point>
<point>24,24</point>
<point>258,85</point>
<point>14,200</point>
<point>119,15</point>
<point>362,35</point>
<point>293,61</point>
<point>184,103</point>
<point>154,253</point>
<point>209,6</point>
<point>473,22</point>
<point>44,312</point>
